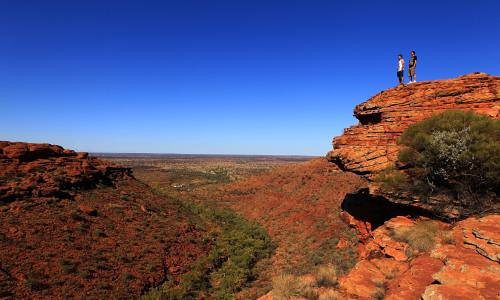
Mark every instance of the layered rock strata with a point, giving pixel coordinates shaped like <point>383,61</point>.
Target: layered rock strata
<point>371,146</point>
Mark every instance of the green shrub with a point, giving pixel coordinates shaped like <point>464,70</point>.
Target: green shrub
<point>379,294</point>
<point>218,175</point>
<point>342,260</point>
<point>99,233</point>
<point>36,281</point>
<point>392,179</point>
<point>230,264</point>
<point>456,155</point>
<point>128,277</point>
<point>447,237</point>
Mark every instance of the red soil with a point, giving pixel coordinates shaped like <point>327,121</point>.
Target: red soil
<point>74,226</point>
<point>298,205</point>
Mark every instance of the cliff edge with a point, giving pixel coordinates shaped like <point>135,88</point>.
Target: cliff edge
<point>371,146</point>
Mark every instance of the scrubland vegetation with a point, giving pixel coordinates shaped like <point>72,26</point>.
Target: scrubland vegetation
<point>454,157</point>
<point>237,245</point>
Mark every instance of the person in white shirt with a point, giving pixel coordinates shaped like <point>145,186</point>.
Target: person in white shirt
<point>401,68</point>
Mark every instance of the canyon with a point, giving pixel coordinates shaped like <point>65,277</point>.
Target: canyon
<point>75,225</point>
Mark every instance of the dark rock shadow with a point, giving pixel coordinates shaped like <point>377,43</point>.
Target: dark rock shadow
<point>376,209</point>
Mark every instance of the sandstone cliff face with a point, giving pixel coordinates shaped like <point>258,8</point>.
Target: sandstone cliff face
<point>371,146</point>
<point>44,170</point>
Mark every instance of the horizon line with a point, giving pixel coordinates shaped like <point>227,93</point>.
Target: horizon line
<point>194,154</point>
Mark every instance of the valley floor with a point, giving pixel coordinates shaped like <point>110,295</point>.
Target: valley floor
<point>298,203</point>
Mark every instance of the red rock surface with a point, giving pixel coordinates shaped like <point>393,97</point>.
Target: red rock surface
<point>411,283</point>
<point>73,226</point>
<point>371,145</point>
<point>452,292</point>
<point>455,267</point>
<point>368,277</point>
<point>482,235</point>
<point>44,170</point>
<point>464,266</point>
<point>470,262</point>
<point>381,240</point>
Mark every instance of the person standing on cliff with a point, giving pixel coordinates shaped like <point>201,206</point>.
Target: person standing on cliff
<point>401,68</point>
<point>412,66</point>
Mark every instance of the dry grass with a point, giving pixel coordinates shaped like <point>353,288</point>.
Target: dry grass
<point>447,237</point>
<point>287,286</point>
<point>379,294</point>
<point>420,237</point>
<point>329,295</point>
<point>326,276</point>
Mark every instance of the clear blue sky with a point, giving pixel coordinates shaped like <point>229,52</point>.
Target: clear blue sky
<point>242,77</point>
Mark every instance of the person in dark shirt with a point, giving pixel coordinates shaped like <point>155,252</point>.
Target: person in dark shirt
<point>412,66</point>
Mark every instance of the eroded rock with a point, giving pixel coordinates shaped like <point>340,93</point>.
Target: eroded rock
<point>45,170</point>
<point>482,235</point>
<point>371,146</point>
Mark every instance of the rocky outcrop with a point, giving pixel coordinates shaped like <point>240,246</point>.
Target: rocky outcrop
<point>449,269</point>
<point>467,270</point>
<point>483,236</point>
<point>45,170</point>
<point>367,279</point>
<point>459,262</point>
<point>371,146</point>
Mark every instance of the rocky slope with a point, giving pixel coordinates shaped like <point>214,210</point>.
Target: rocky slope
<point>299,207</point>
<point>371,146</point>
<point>419,259</point>
<point>76,226</point>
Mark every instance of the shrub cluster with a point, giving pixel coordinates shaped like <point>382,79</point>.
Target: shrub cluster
<point>230,264</point>
<point>456,155</point>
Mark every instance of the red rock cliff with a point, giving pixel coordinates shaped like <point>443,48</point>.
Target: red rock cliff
<point>44,170</point>
<point>371,145</point>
